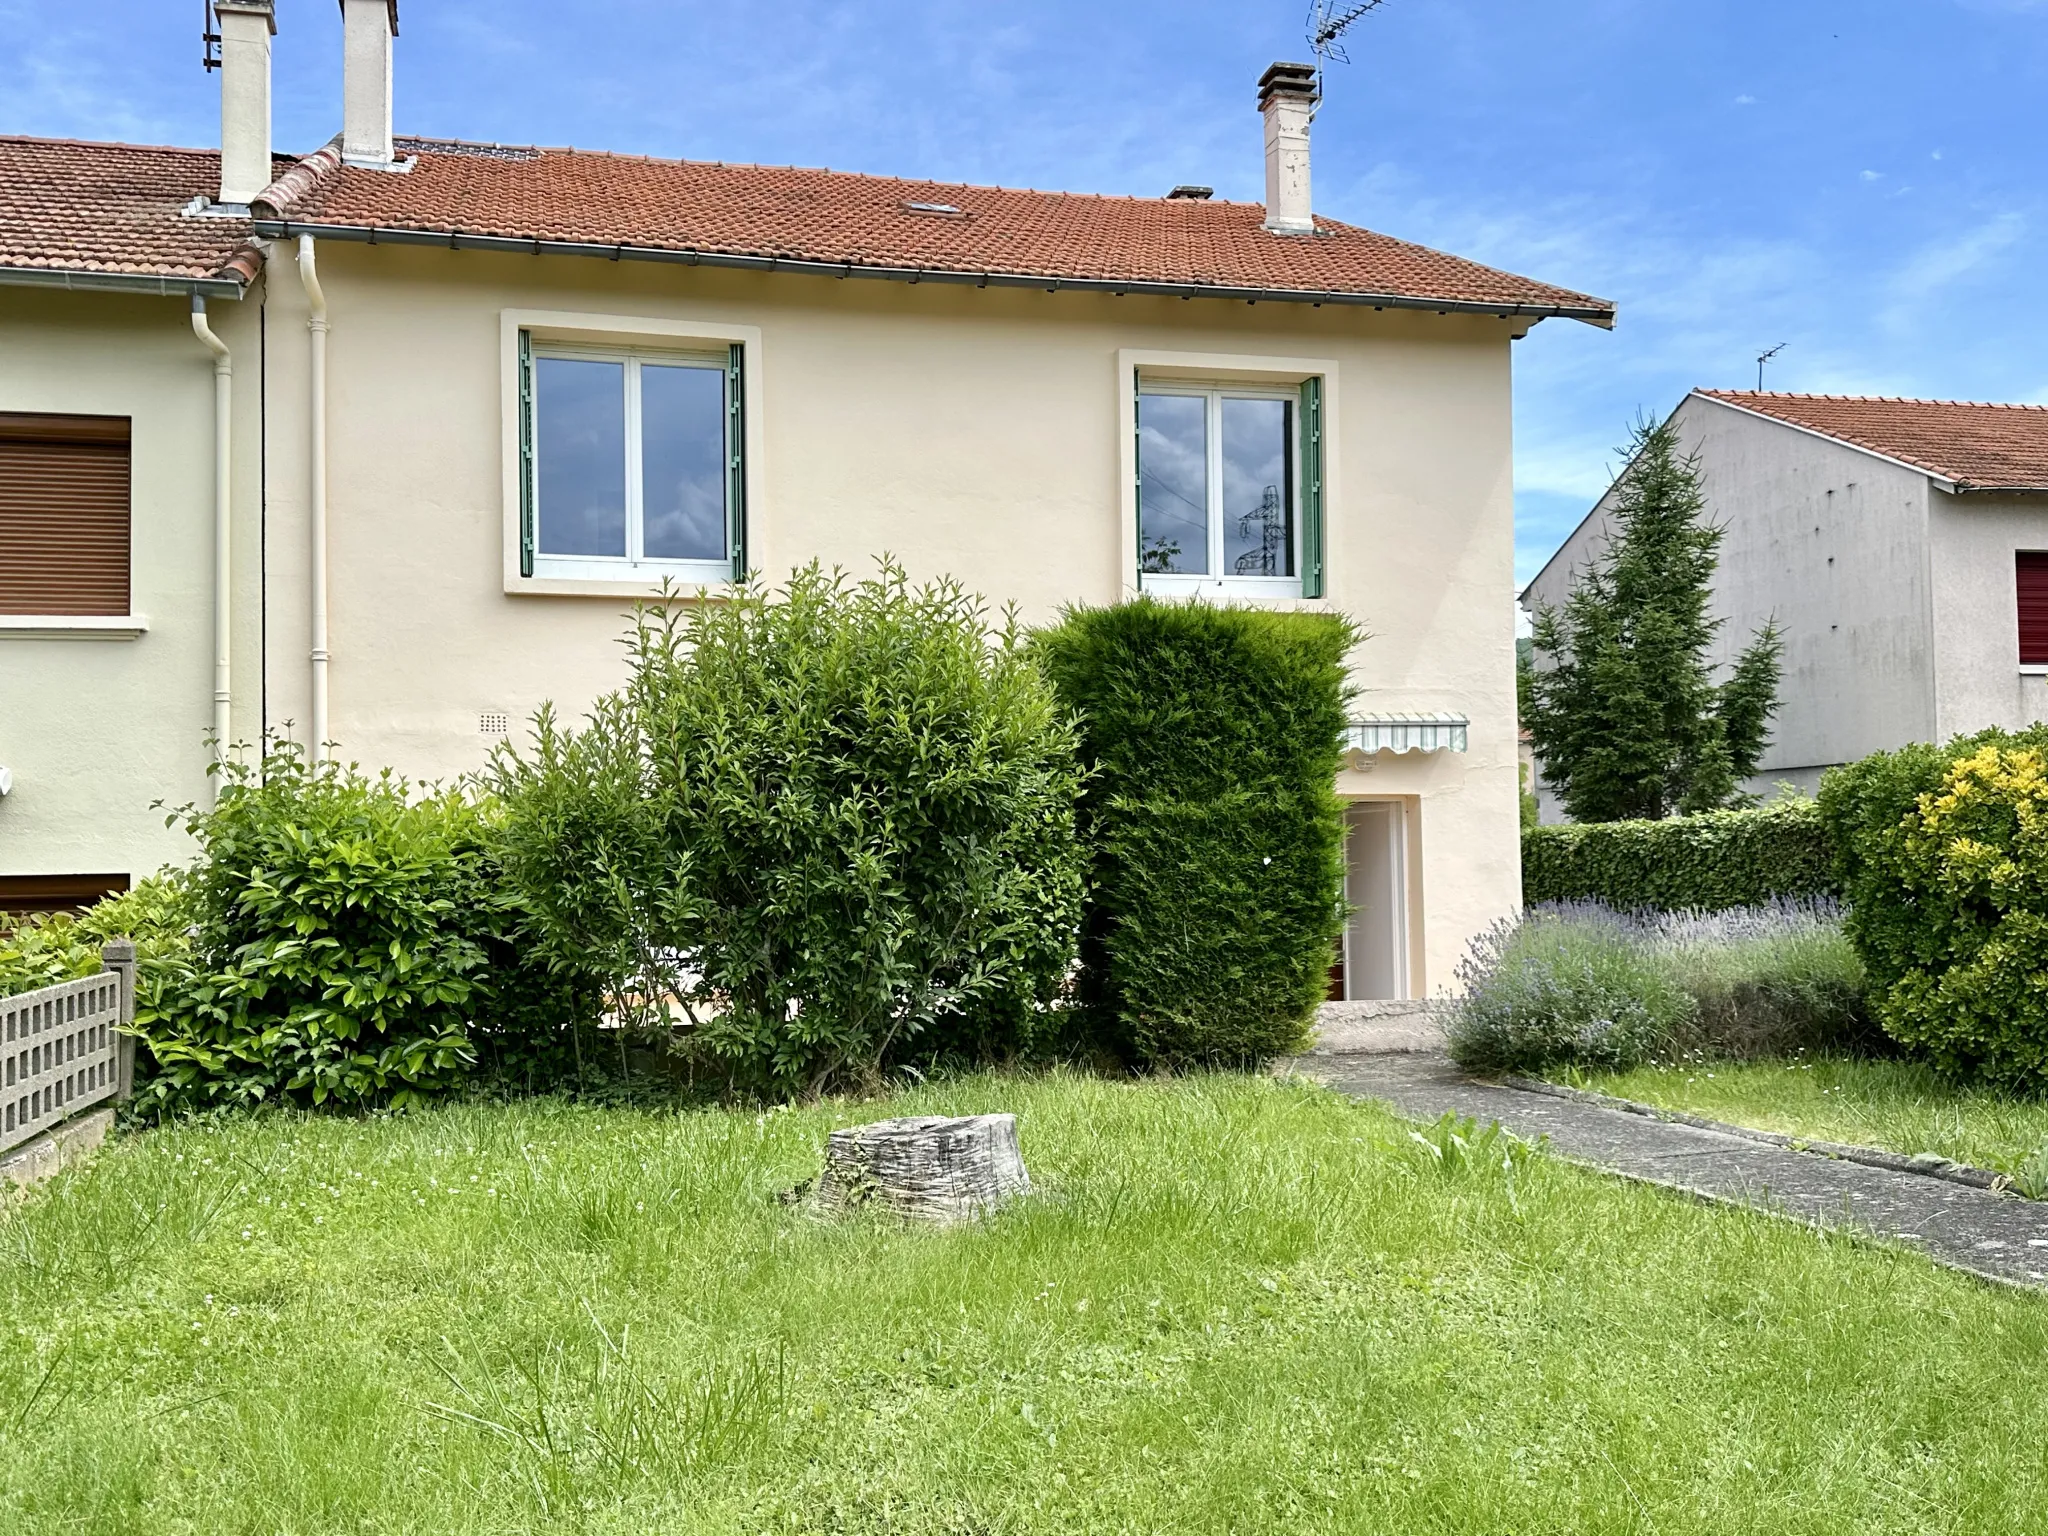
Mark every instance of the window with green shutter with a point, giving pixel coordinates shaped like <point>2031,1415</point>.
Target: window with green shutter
<point>1229,488</point>
<point>632,463</point>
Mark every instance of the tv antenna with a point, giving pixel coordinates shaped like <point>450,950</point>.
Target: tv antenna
<point>209,39</point>
<point>1761,359</point>
<point>1328,21</point>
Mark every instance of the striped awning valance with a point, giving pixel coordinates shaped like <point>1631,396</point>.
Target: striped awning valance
<point>1406,733</point>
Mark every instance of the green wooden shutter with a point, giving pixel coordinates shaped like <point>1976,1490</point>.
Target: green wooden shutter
<point>736,455</point>
<point>1138,473</point>
<point>1312,487</point>
<point>526,488</point>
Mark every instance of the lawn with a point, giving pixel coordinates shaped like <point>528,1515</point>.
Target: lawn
<point>1234,1304</point>
<point>1901,1105</point>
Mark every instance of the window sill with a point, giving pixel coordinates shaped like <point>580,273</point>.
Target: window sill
<point>631,588</point>
<point>73,626</point>
<point>1241,588</point>
<point>2028,670</point>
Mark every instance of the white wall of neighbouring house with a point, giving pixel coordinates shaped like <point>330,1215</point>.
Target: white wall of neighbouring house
<point>1978,679</point>
<point>97,730</point>
<point>976,433</point>
<point>1831,544</point>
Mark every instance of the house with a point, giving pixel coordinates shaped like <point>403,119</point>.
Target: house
<point>378,445</point>
<point>1901,546</point>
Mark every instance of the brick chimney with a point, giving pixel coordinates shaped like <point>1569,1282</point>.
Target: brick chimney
<point>1287,98</point>
<point>246,28</point>
<point>367,28</point>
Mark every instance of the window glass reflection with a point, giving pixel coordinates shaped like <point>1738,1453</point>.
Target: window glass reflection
<point>580,423</point>
<point>682,457</point>
<point>1173,485</point>
<point>1258,493</point>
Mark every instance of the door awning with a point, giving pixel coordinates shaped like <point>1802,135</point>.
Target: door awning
<point>1406,733</point>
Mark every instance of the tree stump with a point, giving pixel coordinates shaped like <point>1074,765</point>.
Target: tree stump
<point>932,1168</point>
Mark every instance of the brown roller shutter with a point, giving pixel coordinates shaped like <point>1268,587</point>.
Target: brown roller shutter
<point>63,514</point>
<point>2033,584</point>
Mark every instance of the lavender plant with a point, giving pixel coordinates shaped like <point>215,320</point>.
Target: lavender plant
<point>1580,984</point>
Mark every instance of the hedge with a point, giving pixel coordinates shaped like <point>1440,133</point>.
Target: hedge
<point>1708,862</point>
<point>1943,852</point>
<point>1214,833</point>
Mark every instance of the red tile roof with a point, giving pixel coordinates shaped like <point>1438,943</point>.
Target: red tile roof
<point>117,210</point>
<point>786,217</point>
<point>113,210</point>
<point>1979,447</point>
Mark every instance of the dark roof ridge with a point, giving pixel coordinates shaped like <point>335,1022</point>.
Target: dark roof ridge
<point>70,143</point>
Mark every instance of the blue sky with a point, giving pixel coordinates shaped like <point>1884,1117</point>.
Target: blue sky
<point>1864,180</point>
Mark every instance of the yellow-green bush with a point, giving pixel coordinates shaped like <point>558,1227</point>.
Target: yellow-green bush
<point>1944,852</point>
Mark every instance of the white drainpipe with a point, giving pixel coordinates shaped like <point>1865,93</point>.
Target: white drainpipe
<point>316,498</point>
<point>223,527</point>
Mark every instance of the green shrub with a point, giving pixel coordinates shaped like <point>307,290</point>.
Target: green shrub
<point>1211,820</point>
<point>1944,855</point>
<point>834,828</point>
<point>45,948</point>
<point>347,942</point>
<point>1684,863</point>
<point>1766,981</point>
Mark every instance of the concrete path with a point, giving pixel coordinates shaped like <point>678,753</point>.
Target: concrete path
<point>2000,1237</point>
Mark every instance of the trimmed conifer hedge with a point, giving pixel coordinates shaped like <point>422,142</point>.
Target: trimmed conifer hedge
<point>1213,828</point>
<point>1708,862</point>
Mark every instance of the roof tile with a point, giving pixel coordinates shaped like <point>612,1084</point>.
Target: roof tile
<point>1978,446</point>
<point>841,218</point>
<point>114,208</point>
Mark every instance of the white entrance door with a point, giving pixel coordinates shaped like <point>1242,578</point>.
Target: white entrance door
<point>1376,886</point>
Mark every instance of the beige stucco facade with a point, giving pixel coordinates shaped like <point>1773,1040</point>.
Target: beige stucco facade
<point>983,434</point>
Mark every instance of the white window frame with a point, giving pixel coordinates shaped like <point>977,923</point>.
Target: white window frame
<point>1218,581</point>
<point>633,566</point>
<point>671,333</point>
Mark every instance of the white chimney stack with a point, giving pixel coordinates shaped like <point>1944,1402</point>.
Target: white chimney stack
<point>1287,98</point>
<point>246,27</point>
<point>367,28</point>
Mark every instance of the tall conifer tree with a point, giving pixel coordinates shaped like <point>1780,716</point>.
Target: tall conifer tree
<point>1626,717</point>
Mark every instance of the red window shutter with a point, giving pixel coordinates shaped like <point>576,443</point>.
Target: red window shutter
<point>2032,571</point>
<point>63,514</point>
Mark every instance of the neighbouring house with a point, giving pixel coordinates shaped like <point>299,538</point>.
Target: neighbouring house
<point>1901,546</point>
<point>378,446</point>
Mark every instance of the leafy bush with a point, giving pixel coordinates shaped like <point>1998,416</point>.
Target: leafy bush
<point>1944,854</point>
<point>1702,863</point>
<point>1580,984</point>
<point>835,829</point>
<point>347,942</point>
<point>43,949</point>
<point>1211,819</point>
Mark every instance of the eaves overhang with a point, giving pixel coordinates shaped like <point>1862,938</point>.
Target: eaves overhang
<point>457,240</point>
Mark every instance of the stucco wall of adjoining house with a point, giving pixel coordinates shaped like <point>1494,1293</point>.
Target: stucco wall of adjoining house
<point>97,730</point>
<point>1832,544</point>
<point>1978,680</point>
<point>969,432</point>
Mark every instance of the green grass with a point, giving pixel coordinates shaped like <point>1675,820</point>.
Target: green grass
<point>1234,1304</point>
<point>1901,1105</point>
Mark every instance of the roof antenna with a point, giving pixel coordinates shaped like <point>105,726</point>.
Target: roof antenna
<point>209,39</point>
<point>1328,21</point>
<point>1761,359</point>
